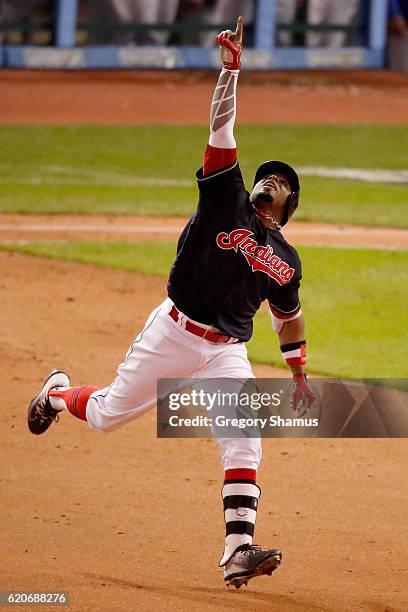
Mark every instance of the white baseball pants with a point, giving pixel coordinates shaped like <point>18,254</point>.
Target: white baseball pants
<point>164,349</point>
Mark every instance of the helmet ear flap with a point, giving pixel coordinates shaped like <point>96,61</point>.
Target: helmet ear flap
<point>291,205</point>
<point>294,202</point>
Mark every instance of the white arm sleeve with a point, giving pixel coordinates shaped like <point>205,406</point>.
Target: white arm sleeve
<point>277,323</point>
<point>223,111</point>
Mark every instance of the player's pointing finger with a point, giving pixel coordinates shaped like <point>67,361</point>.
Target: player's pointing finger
<point>239,30</point>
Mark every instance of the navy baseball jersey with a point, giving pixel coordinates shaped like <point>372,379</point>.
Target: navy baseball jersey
<point>228,262</point>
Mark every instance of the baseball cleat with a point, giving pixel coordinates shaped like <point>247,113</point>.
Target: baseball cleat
<point>249,561</point>
<point>40,412</point>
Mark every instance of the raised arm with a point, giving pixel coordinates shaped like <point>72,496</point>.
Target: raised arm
<point>221,149</point>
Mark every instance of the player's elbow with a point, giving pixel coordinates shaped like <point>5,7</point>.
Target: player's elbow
<point>292,330</point>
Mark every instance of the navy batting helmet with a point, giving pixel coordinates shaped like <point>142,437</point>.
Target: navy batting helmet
<point>272,167</point>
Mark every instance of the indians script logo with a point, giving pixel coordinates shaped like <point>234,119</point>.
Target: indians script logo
<point>258,257</point>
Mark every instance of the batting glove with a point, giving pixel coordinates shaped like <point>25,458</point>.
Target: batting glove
<point>302,395</point>
<point>231,45</point>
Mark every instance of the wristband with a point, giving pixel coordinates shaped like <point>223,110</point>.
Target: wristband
<point>294,353</point>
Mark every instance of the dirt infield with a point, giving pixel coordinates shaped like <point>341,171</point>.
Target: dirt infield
<point>108,227</point>
<point>126,521</point>
<point>155,97</point>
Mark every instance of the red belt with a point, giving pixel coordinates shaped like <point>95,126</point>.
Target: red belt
<point>207,334</point>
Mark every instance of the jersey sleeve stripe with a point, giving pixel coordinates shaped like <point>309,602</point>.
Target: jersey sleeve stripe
<point>280,314</point>
<point>214,174</point>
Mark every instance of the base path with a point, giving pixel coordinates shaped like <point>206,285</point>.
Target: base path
<point>124,521</point>
<point>105,227</point>
<point>139,97</point>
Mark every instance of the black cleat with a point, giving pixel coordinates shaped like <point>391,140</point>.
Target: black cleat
<point>249,561</point>
<point>40,413</point>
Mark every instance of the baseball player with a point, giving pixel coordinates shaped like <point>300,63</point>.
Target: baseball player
<point>231,256</point>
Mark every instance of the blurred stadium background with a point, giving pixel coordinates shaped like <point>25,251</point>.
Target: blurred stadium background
<point>180,33</point>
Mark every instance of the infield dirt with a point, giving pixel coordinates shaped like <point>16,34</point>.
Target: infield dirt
<point>116,227</point>
<point>128,522</point>
<point>139,97</point>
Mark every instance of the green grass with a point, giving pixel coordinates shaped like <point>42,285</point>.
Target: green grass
<point>112,170</point>
<point>353,301</point>
<point>153,258</point>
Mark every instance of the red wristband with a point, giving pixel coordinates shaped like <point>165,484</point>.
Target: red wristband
<point>294,353</point>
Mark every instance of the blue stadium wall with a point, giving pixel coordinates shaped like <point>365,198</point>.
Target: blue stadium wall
<point>186,58</point>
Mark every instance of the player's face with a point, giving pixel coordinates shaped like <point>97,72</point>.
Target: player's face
<point>272,189</point>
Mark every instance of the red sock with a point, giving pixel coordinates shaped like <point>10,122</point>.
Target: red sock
<point>240,474</point>
<point>76,399</point>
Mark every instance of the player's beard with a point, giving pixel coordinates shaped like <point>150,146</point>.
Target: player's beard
<point>264,197</point>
